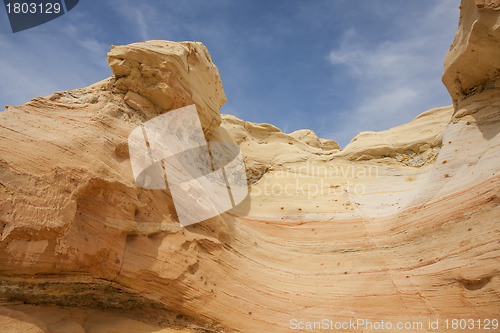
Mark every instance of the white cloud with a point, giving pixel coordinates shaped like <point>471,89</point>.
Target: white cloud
<point>396,79</point>
<point>50,58</point>
<point>139,14</point>
<point>141,23</point>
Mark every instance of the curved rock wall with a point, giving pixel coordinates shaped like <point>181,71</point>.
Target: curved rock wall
<point>401,225</point>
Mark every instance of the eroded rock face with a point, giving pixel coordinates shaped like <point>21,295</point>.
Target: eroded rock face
<point>399,225</point>
<point>69,205</point>
<point>168,75</point>
<point>473,63</point>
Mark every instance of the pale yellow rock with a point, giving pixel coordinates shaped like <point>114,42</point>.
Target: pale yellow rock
<point>473,62</point>
<point>138,102</point>
<point>401,225</point>
<point>170,75</point>
<point>265,147</point>
<point>290,174</point>
<point>50,319</point>
<point>66,326</point>
<point>12,321</point>
<point>425,130</point>
<point>307,136</point>
<point>329,144</point>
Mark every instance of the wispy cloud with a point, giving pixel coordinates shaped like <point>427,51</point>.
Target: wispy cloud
<point>93,46</point>
<point>17,82</point>
<point>140,15</point>
<point>137,16</point>
<point>64,54</point>
<point>396,79</point>
<point>285,63</point>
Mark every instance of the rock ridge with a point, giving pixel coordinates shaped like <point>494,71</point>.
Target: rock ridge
<point>404,219</point>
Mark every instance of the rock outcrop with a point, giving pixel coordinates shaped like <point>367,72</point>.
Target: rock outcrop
<point>400,225</point>
<point>159,76</point>
<point>473,63</point>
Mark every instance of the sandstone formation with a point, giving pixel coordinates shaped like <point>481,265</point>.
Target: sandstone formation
<point>159,76</point>
<point>401,225</point>
<point>473,63</point>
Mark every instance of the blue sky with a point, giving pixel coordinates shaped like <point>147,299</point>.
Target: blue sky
<point>337,67</point>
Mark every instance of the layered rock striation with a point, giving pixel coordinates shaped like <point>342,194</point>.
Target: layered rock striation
<point>400,225</point>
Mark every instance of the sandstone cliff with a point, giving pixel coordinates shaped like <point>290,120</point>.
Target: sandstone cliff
<point>400,225</point>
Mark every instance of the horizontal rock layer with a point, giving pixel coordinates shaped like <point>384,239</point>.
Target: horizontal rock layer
<point>400,225</point>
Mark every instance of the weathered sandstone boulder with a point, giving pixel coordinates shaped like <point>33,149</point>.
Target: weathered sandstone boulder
<point>473,63</point>
<point>158,76</point>
<point>401,225</point>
